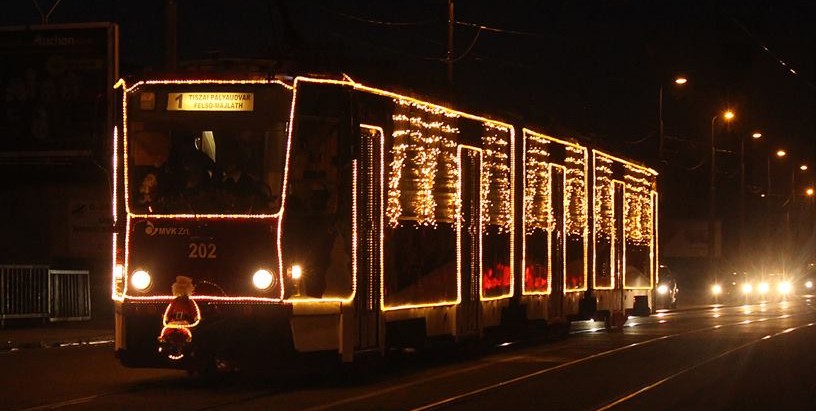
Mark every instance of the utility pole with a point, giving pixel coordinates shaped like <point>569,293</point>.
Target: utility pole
<point>449,59</point>
<point>742,257</point>
<point>712,201</point>
<point>660,125</point>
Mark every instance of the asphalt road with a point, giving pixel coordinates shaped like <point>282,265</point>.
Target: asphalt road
<point>742,358</point>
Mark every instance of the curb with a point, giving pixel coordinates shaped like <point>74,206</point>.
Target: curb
<point>11,346</point>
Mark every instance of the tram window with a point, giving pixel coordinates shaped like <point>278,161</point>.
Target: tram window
<point>206,171</point>
<point>318,206</point>
<point>313,187</point>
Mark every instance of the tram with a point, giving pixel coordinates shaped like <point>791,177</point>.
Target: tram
<point>277,220</point>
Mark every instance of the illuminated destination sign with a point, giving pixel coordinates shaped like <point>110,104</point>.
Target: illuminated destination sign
<point>210,101</point>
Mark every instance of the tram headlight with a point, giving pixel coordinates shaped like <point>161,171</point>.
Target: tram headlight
<point>263,279</point>
<point>747,288</point>
<point>140,280</point>
<point>716,289</point>
<point>763,288</point>
<point>784,287</point>
<point>662,289</point>
<point>297,272</point>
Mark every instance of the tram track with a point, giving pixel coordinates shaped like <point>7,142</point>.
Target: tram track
<point>651,386</point>
<point>470,395</point>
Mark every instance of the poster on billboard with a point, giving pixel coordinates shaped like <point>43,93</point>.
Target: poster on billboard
<point>56,82</point>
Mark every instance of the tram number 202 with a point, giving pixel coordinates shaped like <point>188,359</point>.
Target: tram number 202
<point>201,250</point>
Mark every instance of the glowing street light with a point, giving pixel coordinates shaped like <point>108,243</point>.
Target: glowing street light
<point>809,192</point>
<point>756,135</point>
<point>803,167</point>
<point>679,80</point>
<point>727,116</point>
<point>781,153</point>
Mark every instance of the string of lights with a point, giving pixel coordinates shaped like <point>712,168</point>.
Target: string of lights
<point>496,196</point>
<point>423,170</point>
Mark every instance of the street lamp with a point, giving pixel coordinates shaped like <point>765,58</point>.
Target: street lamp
<point>791,214</point>
<point>756,136</point>
<point>727,116</point>
<point>680,81</point>
<point>780,153</point>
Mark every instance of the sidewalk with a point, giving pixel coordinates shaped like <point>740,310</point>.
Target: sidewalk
<point>31,334</point>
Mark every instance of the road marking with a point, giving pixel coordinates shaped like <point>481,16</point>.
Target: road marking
<point>695,366</point>
<point>55,405</point>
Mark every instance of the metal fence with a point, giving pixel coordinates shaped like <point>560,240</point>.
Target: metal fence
<point>69,295</point>
<point>35,291</point>
<point>23,291</point>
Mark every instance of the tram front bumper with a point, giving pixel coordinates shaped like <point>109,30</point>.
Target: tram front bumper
<point>241,333</point>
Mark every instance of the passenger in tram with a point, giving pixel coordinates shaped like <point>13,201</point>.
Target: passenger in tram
<point>240,191</point>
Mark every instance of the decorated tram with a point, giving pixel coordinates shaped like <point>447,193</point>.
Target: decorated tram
<point>280,220</point>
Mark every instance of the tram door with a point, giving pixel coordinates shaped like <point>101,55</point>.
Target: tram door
<point>470,243</point>
<point>557,240</point>
<point>618,242</point>
<point>368,222</point>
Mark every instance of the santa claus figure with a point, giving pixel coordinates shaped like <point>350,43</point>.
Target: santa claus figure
<point>181,315</point>
<point>183,311</point>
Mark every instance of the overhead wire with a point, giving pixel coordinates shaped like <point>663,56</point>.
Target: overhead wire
<point>464,54</point>
<point>785,65</point>
<point>388,49</point>
<point>468,51</point>
<point>469,48</point>
<point>500,30</point>
<point>381,22</point>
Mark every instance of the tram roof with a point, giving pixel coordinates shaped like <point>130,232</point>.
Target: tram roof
<point>290,81</point>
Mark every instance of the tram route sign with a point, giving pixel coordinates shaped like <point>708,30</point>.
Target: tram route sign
<point>238,101</point>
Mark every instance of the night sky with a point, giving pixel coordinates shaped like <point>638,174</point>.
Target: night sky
<point>584,69</point>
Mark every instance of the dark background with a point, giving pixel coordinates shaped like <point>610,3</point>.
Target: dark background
<point>589,70</point>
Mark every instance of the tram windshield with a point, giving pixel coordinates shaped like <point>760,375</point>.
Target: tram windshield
<point>208,170</point>
<point>206,148</point>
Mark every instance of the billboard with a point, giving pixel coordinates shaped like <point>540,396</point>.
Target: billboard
<point>56,82</point>
<point>688,238</point>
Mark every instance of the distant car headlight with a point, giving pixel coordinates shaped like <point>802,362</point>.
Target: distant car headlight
<point>716,289</point>
<point>763,288</point>
<point>263,279</point>
<point>662,289</point>
<point>140,280</point>
<point>808,284</point>
<point>747,288</point>
<point>784,287</point>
